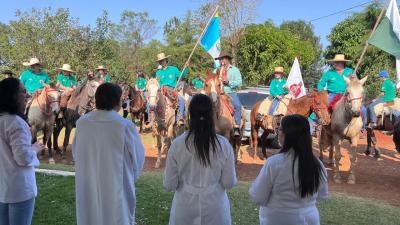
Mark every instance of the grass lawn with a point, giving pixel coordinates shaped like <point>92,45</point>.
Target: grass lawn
<point>55,204</point>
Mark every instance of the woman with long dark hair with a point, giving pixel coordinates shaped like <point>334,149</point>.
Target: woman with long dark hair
<point>17,156</point>
<point>200,168</point>
<point>291,182</point>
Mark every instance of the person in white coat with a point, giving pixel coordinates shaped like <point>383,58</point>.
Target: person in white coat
<point>199,169</point>
<point>291,182</point>
<point>109,158</point>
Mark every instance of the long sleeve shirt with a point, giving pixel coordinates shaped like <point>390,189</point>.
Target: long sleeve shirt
<point>333,81</point>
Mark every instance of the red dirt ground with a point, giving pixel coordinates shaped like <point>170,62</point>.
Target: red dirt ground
<point>375,179</point>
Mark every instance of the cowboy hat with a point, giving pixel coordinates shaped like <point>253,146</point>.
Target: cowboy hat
<point>66,67</point>
<point>339,58</point>
<point>7,72</point>
<point>279,69</point>
<point>223,55</point>
<point>32,61</point>
<point>162,56</point>
<point>101,68</point>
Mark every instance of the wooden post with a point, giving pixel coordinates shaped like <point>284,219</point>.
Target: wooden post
<point>366,42</point>
<point>197,44</point>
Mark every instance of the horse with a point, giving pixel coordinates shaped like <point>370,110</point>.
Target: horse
<point>137,104</point>
<point>223,112</point>
<point>346,123</point>
<point>41,115</point>
<point>316,102</point>
<point>74,104</point>
<point>163,104</point>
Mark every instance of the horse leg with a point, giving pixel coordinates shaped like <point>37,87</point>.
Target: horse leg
<point>159,147</point>
<point>353,160</point>
<point>264,144</point>
<point>68,129</point>
<point>338,156</point>
<point>46,136</point>
<point>237,146</point>
<point>331,161</point>
<point>370,133</point>
<point>56,133</point>
<point>321,145</point>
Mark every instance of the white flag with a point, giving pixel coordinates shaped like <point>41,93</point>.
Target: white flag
<point>295,83</point>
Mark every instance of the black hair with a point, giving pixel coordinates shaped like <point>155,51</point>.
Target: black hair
<point>298,139</point>
<point>9,89</point>
<point>108,96</point>
<point>202,128</point>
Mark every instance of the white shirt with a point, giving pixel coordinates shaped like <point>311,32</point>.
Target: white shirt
<point>279,197</point>
<point>200,192</point>
<point>109,157</point>
<point>17,160</point>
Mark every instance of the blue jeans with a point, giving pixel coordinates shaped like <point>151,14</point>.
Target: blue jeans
<point>313,124</point>
<point>331,96</point>
<point>147,104</point>
<point>19,213</point>
<point>181,109</point>
<point>274,105</point>
<point>238,108</point>
<point>371,110</point>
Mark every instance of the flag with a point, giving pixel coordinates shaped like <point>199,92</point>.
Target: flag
<point>387,35</point>
<point>295,83</point>
<point>211,41</point>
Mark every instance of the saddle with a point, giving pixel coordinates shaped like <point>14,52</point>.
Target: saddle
<point>332,104</point>
<point>171,95</point>
<point>227,103</point>
<point>65,98</point>
<point>387,108</point>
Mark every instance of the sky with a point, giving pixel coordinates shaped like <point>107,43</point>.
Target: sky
<point>162,10</point>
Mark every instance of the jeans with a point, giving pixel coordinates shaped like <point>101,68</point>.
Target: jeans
<point>274,105</point>
<point>371,110</point>
<point>147,105</point>
<point>238,108</point>
<point>181,109</point>
<point>19,213</point>
<point>313,124</point>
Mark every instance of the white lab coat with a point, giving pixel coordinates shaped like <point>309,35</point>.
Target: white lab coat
<point>200,192</point>
<point>278,197</point>
<point>109,158</point>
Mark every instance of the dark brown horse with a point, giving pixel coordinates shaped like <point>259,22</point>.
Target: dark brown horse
<point>137,104</point>
<point>74,105</point>
<point>314,102</point>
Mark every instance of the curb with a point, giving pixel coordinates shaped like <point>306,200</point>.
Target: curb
<point>55,172</point>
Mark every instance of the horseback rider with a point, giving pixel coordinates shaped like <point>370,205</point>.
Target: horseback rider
<point>232,81</point>
<point>66,81</point>
<point>7,73</point>
<point>387,95</point>
<point>102,75</point>
<point>198,83</point>
<point>334,82</point>
<point>168,76</point>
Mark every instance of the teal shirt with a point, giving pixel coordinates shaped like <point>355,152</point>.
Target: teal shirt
<point>235,79</point>
<point>141,83</point>
<point>106,78</point>
<point>31,80</point>
<point>67,81</point>
<point>276,87</point>
<point>170,75</point>
<point>334,82</point>
<point>389,89</point>
<point>198,83</point>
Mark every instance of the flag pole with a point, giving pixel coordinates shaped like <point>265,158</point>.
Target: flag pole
<point>372,32</point>
<point>197,44</point>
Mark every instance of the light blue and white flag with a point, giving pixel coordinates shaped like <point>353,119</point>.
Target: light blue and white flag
<point>211,40</point>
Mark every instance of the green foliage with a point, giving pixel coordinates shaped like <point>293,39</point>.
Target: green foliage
<point>349,36</point>
<point>265,46</point>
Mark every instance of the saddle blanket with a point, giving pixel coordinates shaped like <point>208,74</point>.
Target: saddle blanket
<point>280,110</point>
<point>387,107</point>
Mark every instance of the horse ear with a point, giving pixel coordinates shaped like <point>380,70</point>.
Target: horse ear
<point>347,80</point>
<point>363,80</point>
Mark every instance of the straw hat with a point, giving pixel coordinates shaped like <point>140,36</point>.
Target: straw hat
<point>279,69</point>
<point>339,58</point>
<point>101,68</point>
<point>223,55</point>
<point>32,61</point>
<point>66,67</point>
<point>162,56</point>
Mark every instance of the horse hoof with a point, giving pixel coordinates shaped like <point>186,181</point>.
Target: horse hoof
<point>158,164</point>
<point>351,179</point>
<point>367,152</point>
<point>51,161</point>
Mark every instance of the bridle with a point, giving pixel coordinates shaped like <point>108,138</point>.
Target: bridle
<point>42,108</point>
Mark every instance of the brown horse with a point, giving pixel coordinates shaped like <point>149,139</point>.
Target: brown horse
<point>41,115</point>
<point>223,114</point>
<point>316,102</point>
<point>346,123</point>
<point>163,105</point>
<point>137,104</point>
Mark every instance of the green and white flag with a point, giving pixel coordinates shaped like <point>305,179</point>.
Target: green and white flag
<point>387,35</point>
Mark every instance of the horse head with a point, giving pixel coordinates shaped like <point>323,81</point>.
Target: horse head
<point>213,86</point>
<point>354,95</point>
<point>153,88</point>
<point>320,106</point>
<point>52,97</point>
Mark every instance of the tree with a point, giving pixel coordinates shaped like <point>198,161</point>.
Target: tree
<point>180,31</point>
<point>349,36</point>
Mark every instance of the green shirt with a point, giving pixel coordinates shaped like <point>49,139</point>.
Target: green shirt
<point>235,79</point>
<point>389,89</point>
<point>106,78</point>
<point>170,75</point>
<point>276,88</point>
<point>198,83</point>
<point>31,80</point>
<point>333,81</point>
<point>141,83</point>
<point>67,81</point>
